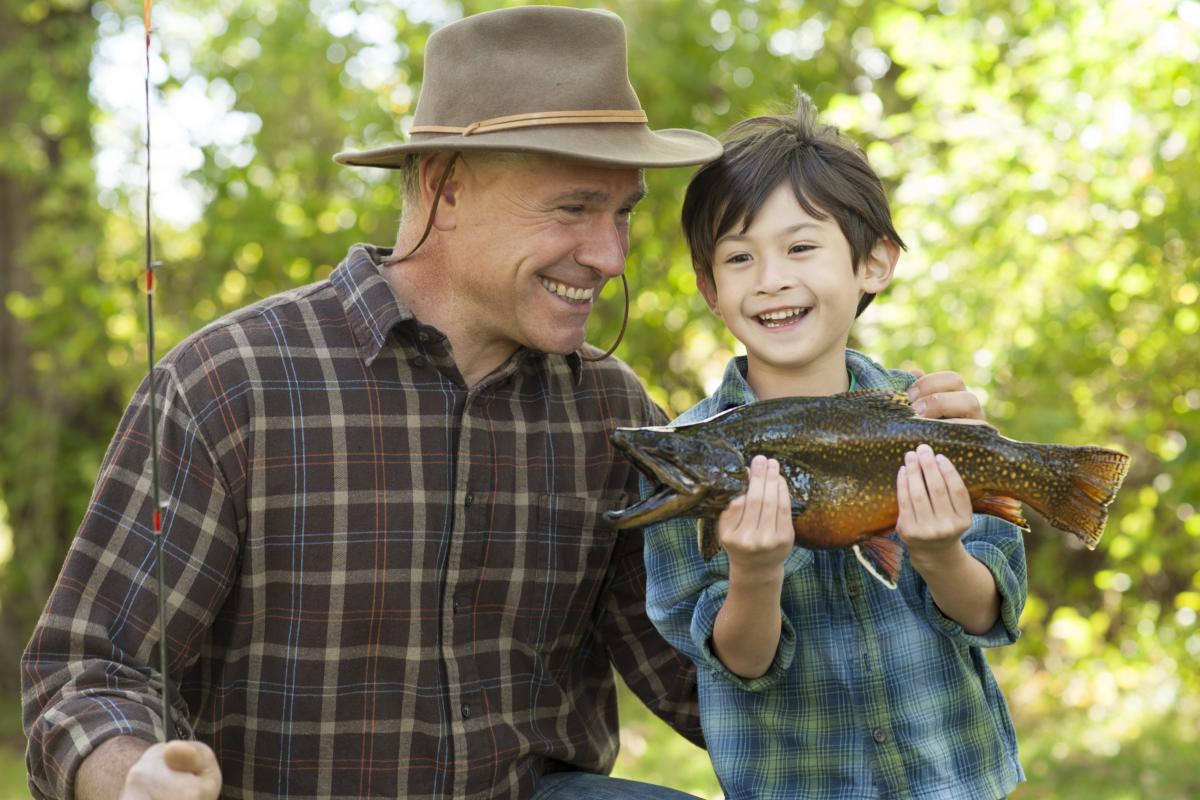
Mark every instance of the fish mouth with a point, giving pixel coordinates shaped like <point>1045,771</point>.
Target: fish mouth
<point>675,489</point>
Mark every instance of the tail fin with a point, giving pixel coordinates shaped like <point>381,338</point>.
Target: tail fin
<point>1077,499</point>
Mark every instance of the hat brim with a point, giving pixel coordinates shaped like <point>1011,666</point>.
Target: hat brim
<point>615,145</point>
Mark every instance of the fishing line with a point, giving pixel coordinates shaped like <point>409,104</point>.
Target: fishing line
<point>159,504</point>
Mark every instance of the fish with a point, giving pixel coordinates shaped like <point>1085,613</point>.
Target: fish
<point>839,455</point>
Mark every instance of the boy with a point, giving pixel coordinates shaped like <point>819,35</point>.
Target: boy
<point>815,679</point>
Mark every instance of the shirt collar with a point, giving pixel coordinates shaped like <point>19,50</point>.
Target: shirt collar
<point>735,390</point>
<point>371,306</point>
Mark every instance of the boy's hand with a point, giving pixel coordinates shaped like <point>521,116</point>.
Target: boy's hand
<point>756,528</point>
<point>935,507</point>
<point>944,395</point>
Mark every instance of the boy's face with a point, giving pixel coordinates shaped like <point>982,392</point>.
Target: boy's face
<point>788,291</point>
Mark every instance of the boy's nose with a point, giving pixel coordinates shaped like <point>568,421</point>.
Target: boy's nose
<point>774,276</point>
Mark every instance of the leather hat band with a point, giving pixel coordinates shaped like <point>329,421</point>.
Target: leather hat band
<point>537,119</point>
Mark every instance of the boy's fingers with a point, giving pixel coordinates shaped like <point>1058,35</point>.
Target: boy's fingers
<point>903,500</point>
<point>754,492</point>
<point>958,405</point>
<point>960,496</point>
<point>783,514</point>
<point>935,483</point>
<point>916,488</point>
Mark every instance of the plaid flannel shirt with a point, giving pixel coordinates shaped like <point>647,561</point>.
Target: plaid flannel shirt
<point>381,582</point>
<point>872,692</point>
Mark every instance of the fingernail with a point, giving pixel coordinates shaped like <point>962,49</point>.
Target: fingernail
<point>919,406</point>
<point>912,392</point>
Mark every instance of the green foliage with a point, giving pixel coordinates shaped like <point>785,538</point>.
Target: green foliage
<point>1041,162</point>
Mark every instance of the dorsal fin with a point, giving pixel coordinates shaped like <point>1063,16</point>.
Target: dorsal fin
<point>888,401</point>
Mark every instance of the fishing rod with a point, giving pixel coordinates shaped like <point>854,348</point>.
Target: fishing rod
<point>159,504</point>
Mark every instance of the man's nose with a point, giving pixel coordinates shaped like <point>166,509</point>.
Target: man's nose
<point>604,248</point>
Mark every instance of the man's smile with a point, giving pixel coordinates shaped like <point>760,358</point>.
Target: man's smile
<point>572,294</point>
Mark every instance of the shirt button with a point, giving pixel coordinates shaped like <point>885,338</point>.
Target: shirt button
<point>878,735</point>
<point>420,361</point>
<point>456,605</point>
<point>852,590</point>
<point>422,337</point>
<point>469,499</point>
<point>466,711</point>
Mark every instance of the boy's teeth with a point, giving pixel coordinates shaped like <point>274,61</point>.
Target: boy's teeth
<point>567,292</point>
<point>780,316</point>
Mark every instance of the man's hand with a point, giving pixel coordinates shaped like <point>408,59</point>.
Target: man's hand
<point>177,770</point>
<point>943,395</point>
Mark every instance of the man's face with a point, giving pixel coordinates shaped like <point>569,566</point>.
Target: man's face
<point>535,239</point>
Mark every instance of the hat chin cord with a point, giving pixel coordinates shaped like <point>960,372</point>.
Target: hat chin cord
<point>621,333</point>
<point>437,196</point>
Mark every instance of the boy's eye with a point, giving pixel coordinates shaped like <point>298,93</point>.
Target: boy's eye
<point>801,248</point>
<point>737,258</point>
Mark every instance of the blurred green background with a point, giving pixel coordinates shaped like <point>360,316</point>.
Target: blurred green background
<point>1041,158</point>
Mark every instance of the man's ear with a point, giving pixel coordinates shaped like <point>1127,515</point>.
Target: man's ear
<point>708,291</point>
<point>429,177</point>
<point>878,267</point>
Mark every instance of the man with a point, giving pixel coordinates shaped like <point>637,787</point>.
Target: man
<point>387,571</point>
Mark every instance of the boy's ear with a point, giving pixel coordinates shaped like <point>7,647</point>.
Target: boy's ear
<point>879,266</point>
<point>708,291</point>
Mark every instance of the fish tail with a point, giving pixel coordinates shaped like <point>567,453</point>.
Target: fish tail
<point>1086,480</point>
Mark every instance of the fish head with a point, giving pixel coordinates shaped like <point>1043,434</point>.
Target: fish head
<point>693,474</point>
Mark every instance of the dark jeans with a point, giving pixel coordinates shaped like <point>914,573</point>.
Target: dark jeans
<point>587,786</point>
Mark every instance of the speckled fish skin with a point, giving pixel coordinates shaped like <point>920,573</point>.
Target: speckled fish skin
<point>840,455</point>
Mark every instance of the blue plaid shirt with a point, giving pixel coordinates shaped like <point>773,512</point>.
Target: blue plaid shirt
<point>873,692</point>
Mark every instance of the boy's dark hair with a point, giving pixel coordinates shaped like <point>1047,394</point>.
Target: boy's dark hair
<point>828,173</point>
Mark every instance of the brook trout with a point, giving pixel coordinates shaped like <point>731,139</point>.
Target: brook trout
<point>840,455</point>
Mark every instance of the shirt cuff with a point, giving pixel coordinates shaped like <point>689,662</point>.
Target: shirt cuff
<point>704,619</point>
<point>71,730</point>
<point>1006,630</point>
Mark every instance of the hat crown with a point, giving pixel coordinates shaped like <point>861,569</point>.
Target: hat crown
<point>524,60</point>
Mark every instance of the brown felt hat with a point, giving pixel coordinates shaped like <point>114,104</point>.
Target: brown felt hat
<point>536,79</point>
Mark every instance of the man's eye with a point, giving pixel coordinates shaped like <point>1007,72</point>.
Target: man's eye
<point>572,209</point>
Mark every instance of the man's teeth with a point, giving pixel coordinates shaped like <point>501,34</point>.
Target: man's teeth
<point>774,318</point>
<point>567,292</point>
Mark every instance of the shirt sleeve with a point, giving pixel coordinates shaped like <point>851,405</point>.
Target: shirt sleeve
<point>685,593</point>
<point>999,546</point>
<point>91,669</point>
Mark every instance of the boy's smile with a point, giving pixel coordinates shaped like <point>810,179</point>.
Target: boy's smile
<point>787,289</point>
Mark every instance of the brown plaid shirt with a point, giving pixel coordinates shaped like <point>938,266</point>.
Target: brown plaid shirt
<point>381,582</point>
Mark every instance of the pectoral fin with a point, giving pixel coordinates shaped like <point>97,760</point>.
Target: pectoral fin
<point>882,557</point>
<point>706,537</point>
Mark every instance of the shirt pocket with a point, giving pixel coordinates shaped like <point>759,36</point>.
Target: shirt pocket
<point>569,552</point>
